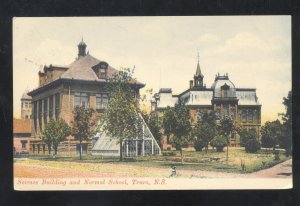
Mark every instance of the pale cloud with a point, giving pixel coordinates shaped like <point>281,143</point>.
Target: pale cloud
<point>208,39</point>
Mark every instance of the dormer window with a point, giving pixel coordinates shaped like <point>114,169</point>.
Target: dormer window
<point>225,90</point>
<point>101,70</point>
<point>102,73</point>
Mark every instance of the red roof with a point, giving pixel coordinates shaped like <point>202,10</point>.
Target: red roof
<point>22,126</point>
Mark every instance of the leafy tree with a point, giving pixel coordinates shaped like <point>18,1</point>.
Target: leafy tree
<point>271,132</point>
<point>226,127</point>
<point>252,145</point>
<point>246,135</point>
<point>181,127</point>
<point>219,142</point>
<point>155,128</point>
<point>168,122</point>
<point>83,125</point>
<point>55,132</point>
<point>204,131</point>
<point>121,119</point>
<point>286,139</point>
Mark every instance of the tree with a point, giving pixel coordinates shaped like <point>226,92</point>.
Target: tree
<point>219,142</point>
<point>271,132</point>
<point>55,132</point>
<point>252,145</point>
<point>155,128</point>
<point>181,127</point>
<point>83,125</point>
<point>168,122</point>
<point>204,131</point>
<point>286,139</point>
<point>246,135</point>
<point>121,119</point>
<point>226,127</point>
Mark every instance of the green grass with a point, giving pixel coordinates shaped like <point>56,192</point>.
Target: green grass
<point>192,160</point>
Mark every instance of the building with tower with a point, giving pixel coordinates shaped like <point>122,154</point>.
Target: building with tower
<point>223,97</point>
<point>26,108</point>
<point>81,83</point>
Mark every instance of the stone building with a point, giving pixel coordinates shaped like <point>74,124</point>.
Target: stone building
<point>26,108</point>
<point>223,97</point>
<point>61,88</point>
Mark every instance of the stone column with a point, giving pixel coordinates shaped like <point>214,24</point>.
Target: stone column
<point>54,116</point>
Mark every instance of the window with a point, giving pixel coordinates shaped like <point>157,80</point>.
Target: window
<point>225,110</point>
<point>26,116</point>
<point>57,105</point>
<point>81,99</point>
<point>244,116</point>
<point>23,142</point>
<point>102,73</point>
<point>45,110</point>
<point>51,107</point>
<point>225,90</point>
<point>250,116</point>
<point>199,116</point>
<point>101,101</point>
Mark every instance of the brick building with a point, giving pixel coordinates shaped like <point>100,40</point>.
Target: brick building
<point>223,97</point>
<point>61,88</point>
<point>22,135</point>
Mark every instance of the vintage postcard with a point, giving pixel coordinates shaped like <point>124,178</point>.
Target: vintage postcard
<point>152,103</point>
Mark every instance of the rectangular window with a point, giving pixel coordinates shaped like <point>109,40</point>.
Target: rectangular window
<point>250,116</point>
<point>244,116</point>
<point>40,114</point>
<point>102,73</point>
<point>45,110</point>
<point>81,99</point>
<point>51,107</point>
<point>101,101</point>
<point>225,110</point>
<point>57,105</point>
<point>23,142</point>
<point>35,114</point>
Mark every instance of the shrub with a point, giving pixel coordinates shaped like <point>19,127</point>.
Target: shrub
<point>252,146</point>
<point>199,145</point>
<point>219,142</point>
<point>169,153</point>
<point>276,155</point>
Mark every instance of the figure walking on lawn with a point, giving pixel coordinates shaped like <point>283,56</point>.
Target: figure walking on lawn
<point>173,174</point>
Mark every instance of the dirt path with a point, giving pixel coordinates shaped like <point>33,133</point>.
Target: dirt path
<point>282,170</point>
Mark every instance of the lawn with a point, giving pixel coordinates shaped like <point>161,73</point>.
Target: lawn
<point>210,161</point>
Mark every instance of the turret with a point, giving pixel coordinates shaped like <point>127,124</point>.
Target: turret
<point>81,49</point>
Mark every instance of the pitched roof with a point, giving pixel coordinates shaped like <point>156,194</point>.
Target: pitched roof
<point>22,126</point>
<point>81,69</point>
<point>25,95</point>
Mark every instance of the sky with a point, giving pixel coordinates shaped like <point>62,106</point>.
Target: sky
<point>255,51</point>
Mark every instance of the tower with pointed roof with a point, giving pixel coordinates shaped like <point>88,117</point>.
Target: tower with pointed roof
<point>198,77</point>
<point>223,98</point>
<point>26,109</point>
<point>81,49</point>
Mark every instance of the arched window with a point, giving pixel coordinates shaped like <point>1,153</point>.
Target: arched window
<point>225,90</point>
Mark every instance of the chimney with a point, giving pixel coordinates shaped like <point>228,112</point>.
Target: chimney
<point>191,84</point>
